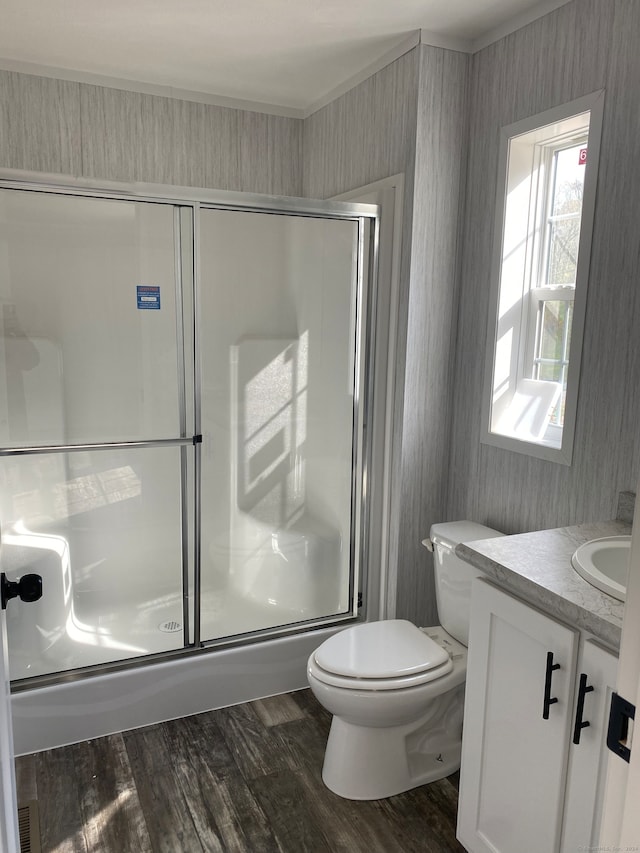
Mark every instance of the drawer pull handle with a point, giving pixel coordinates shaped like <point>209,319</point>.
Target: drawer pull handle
<point>548,699</point>
<point>583,689</point>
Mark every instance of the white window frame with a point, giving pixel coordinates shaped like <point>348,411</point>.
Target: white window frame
<point>526,149</point>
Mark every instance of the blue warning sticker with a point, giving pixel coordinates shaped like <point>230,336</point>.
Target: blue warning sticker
<point>148,296</point>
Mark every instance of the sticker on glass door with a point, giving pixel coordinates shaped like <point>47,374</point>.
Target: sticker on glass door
<point>148,296</point>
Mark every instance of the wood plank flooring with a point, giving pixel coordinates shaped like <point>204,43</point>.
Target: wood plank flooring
<point>244,779</point>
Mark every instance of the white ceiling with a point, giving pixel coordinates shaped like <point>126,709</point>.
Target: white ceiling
<point>288,56</point>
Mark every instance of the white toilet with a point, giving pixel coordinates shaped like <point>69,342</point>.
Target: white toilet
<point>396,691</point>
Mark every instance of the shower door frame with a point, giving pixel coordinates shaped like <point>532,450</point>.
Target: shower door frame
<point>180,198</point>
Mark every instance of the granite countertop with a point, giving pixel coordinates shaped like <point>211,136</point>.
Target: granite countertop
<point>537,567</point>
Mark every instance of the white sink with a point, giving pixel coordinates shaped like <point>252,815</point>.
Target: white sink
<point>604,563</point>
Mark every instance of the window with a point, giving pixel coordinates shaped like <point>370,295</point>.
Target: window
<point>540,274</point>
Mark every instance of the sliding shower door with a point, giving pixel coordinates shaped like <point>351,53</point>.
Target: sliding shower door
<point>279,355</point>
<point>92,427</point>
<point>182,442</point>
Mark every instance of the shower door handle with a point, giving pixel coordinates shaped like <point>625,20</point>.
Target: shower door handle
<point>28,588</point>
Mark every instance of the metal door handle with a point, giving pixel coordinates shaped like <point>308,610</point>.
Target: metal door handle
<point>28,588</point>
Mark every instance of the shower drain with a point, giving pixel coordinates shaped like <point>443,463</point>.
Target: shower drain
<point>170,627</point>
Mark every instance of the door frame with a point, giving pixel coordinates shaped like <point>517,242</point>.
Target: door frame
<point>620,827</point>
<point>9,840</point>
<point>388,195</point>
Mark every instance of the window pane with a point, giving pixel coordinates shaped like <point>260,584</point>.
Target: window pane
<point>569,180</point>
<point>553,327</point>
<point>563,251</point>
<point>566,213</point>
<point>550,372</point>
<point>552,351</point>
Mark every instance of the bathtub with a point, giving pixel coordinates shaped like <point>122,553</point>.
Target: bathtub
<point>65,713</point>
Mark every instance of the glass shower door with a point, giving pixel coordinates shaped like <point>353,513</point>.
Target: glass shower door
<point>168,500</point>
<point>93,445</point>
<point>278,369</point>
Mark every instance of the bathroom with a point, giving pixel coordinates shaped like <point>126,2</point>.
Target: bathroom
<point>432,115</point>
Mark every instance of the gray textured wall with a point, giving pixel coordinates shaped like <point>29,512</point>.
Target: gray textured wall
<point>420,474</point>
<point>410,117</point>
<point>56,126</point>
<point>583,46</point>
<point>367,134</point>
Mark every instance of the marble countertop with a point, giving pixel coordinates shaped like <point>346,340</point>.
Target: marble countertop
<point>537,567</point>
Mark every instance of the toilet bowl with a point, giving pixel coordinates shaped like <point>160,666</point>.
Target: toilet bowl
<point>398,725</point>
<point>396,691</point>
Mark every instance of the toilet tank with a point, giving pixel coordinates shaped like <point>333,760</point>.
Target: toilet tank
<point>453,576</point>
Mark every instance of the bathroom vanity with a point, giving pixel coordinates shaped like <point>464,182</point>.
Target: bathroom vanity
<point>541,667</point>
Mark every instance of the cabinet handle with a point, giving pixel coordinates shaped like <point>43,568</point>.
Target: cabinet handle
<point>548,700</point>
<point>583,689</point>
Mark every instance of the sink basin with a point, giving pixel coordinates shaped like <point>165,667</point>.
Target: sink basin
<point>604,563</point>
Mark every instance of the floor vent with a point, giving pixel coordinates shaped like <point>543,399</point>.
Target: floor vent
<point>170,627</point>
<point>29,828</point>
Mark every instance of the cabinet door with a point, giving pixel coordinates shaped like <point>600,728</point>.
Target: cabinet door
<point>588,758</point>
<point>513,760</point>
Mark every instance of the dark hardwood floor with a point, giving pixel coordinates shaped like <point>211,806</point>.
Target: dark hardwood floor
<point>244,779</point>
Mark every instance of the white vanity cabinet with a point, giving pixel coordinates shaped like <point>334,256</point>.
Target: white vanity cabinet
<point>525,787</point>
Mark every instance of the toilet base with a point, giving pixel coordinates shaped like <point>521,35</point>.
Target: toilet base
<point>366,763</point>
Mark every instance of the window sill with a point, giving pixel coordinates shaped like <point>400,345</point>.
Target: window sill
<point>541,449</point>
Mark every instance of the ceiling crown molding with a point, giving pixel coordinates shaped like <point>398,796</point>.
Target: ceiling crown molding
<point>143,88</point>
<point>446,42</point>
<point>542,8</point>
<point>401,47</point>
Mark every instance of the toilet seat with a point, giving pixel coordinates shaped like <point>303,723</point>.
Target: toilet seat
<point>388,655</point>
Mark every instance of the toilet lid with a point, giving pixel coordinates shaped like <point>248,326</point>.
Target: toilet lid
<point>389,649</point>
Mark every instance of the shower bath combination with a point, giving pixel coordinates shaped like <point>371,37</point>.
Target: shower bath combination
<point>183,448</point>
